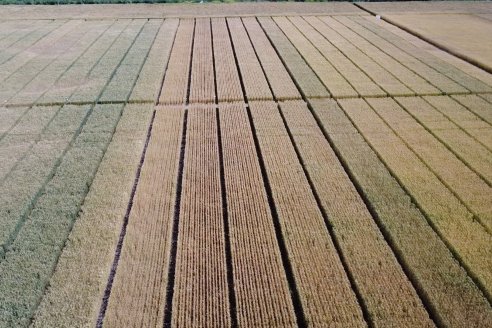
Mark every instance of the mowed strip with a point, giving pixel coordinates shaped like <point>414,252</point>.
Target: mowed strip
<point>384,79</point>
<point>202,87</point>
<point>303,75</point>
<point>336,84</point>
<point>139,288</point>
<point>260,283</point>
<point>465,147</point>
<point>413,81</point>
<point>201,295</point>
<point>175,86</point>
<point>311,251</point>
<point>457,226</point>
<point>226,73</point>
<point>432,267</point>
<point>387,293</point>
<point>76,288</point>
<point>357,79</point>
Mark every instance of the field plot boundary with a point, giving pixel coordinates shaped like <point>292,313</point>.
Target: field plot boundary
<point>242,170</point>
<point>437,44</point>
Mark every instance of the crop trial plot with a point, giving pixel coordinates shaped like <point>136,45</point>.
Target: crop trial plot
<point>245,165</point>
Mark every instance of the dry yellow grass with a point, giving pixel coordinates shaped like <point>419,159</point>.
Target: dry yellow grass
<point>139,288</point>
<point>311,251</point>
<point>387,293</point>
<point>227,76</point>
<point>336,84</point>
<point>201,296</point>
<point>175,86</point>
<point>471,242</point>
<point>260,283</point>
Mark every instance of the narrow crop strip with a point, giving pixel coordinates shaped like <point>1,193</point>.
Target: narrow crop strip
<point>296,299</point>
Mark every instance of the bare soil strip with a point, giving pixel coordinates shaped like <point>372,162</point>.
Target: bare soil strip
<point>260,283</point>
<point>77,285</point>
<point>202,87</point>
<point>357,79</point>
<point>226,74</point>
<point>304,77</point>
<point>454,72</point>
<point>415,243</point>
<point>405,75</point>
<point>442,82</point>
<point>471,123</point>
<point>336,84</point>
<point>280,82</point>
<point>175,86</point>
<point>139,288</point>
<point>201,294</point>
<point>387,293</point>
<point>311,251</point>
<point>468,238</point>
<point>374,71</point>
<point>464,146</point>
<point>255,84</point>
